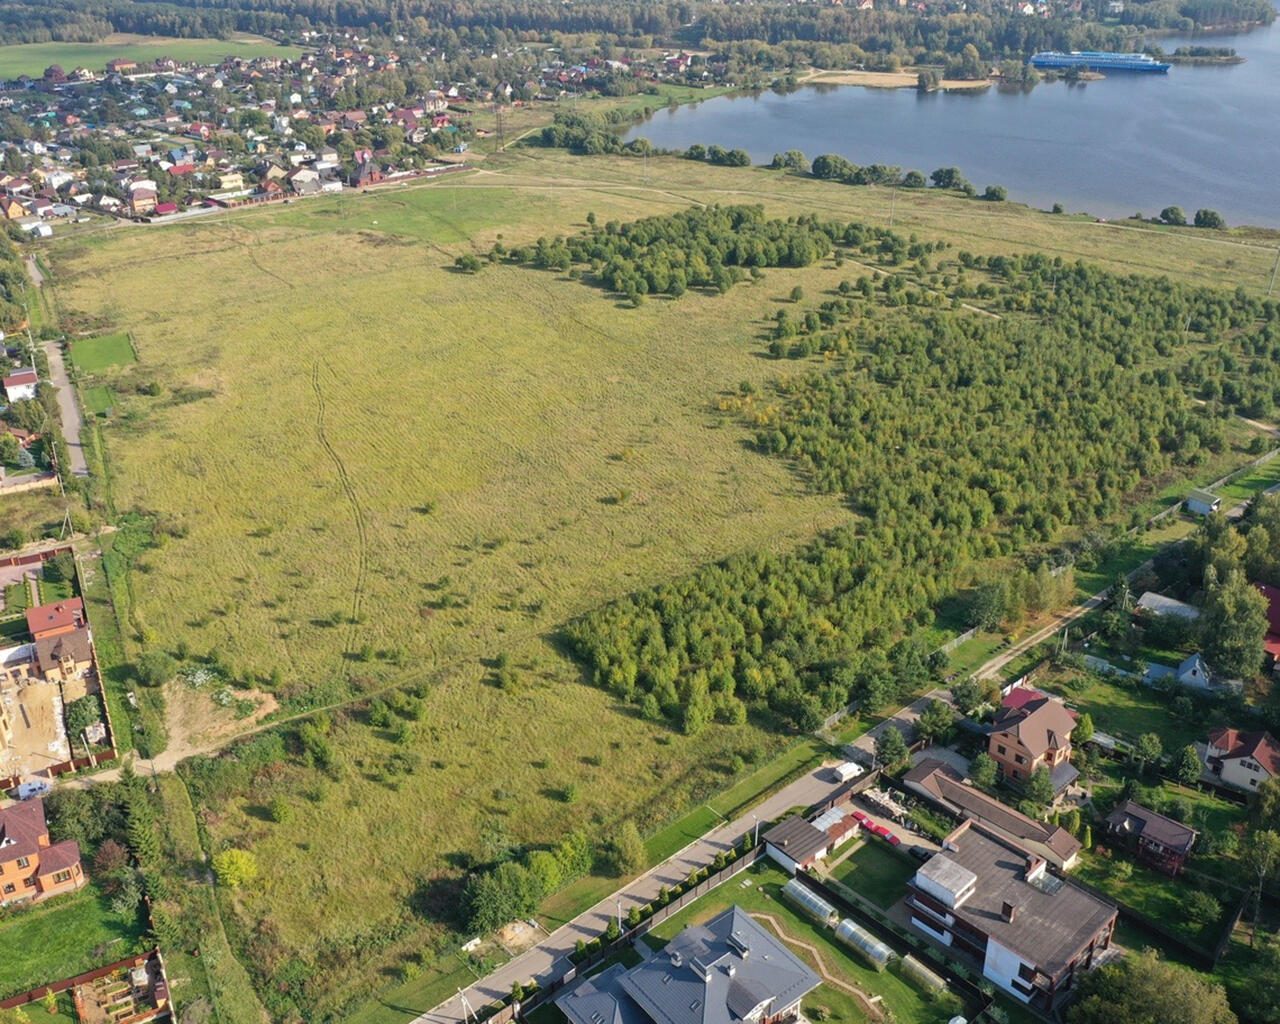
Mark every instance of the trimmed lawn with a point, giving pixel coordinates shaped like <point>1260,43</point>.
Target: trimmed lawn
<point>1127,555</point>
<point>877,872</point>
<point>973,652</point>
<point>806,754</point>
<point>98,400</point>
<point>907,1005</point>
<point>429,989</point>
<point>93,355</point>
<point>65,937</point>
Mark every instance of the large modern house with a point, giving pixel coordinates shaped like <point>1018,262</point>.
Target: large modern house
<point>726,971</point>
<point>995,905</point>
<point>1035,733</point>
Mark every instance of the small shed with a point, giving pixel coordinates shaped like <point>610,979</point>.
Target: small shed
<point>1203,503</point>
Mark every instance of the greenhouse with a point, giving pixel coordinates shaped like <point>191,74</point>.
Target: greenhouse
<point>917,972</point>
<point>871,948</point>
<point>810,903</point>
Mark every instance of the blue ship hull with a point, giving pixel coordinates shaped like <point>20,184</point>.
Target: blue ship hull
<point>1095,61</point>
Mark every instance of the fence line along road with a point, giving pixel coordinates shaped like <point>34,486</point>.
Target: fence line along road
<point>548,960</point>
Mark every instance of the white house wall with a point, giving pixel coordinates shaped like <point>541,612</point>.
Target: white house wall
<point>1001,967</point>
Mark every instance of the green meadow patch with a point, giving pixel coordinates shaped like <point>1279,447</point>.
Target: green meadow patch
<point>93,355</point>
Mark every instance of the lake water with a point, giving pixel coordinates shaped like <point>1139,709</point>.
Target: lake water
<point>1199,136</point>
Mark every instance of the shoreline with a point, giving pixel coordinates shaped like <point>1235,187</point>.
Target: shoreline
<point>889,80</point>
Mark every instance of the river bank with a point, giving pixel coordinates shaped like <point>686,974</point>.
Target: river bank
<point>889,80</point>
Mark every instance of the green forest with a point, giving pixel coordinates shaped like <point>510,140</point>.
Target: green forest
<point>958,435</point>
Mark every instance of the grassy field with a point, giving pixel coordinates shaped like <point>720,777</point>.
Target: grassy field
<point>32,58</point>
<point>370,470</point>
<point>877,872</point>
<point>93,355</point>
<point>64,937</point>
<point>906,1004</point>
<point>37,513</point>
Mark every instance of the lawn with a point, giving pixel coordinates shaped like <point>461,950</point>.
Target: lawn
<point>98,399</point>
<point>795,761</point>
<point>93,355</point>
<point>64,937</point>
<point>1152,894</point>
<point>1126,710</point>
<point>877,872</point>
<point>33,58</point>
<point>1257,479</point>
<point>374,471</point>
<point>679,834</point>
<point>906,1004</point>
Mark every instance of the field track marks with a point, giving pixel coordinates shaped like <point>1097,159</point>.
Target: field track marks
<point>357,511</point>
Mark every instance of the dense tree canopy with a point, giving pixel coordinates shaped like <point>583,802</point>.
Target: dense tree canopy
<point>1142,989</point>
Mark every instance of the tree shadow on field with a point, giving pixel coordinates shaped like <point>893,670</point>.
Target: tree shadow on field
<point>438,899</point>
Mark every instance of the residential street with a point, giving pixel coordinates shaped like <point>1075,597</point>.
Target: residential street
<point>543,961</point>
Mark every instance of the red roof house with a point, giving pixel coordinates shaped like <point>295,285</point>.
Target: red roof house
<point>1271,642</point>
<point>30,867</point>
<point>55,619</point>
<point>1243,759</point>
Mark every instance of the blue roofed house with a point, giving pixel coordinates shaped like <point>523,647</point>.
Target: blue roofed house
<point>727,971</point>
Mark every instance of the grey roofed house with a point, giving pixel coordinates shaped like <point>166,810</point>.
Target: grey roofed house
<point>1157,604</point>
<point>727,970</point>
<point>1052,919</point>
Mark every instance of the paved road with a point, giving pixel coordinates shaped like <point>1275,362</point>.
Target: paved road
<point>67,408</point>
<point>546,960</point>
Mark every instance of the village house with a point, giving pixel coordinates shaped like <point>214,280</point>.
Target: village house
<point>20,386</point>
<point>1242,759</point>
<point>1036,733</point>
<point>993,904</point>
<point>943,785</point>
<point>1163,843</point>
<point>31,867</point>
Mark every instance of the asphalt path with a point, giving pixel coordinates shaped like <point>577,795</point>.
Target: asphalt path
<point>548,959</point>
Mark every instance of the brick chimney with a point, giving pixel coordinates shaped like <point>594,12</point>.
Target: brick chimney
<point>1008,910</point>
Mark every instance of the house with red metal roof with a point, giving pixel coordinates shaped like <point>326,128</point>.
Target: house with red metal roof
<point>31,867</point>
<point>55,619</point>
<point>1271,642</point>
<point>1242,759</point>
<point>21,385</point>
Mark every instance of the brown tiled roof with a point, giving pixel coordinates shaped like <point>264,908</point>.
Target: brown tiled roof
<point>52,649</point>
<point>1137,820</point>
<point>797,839</point>
<point>946,785</point>
<point>59,857</point>
<point>21,828</point>
<point>1040,725</point>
